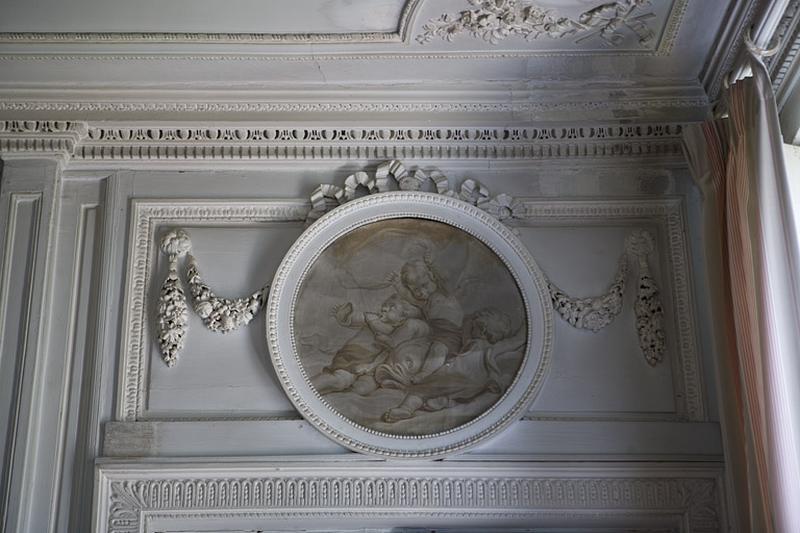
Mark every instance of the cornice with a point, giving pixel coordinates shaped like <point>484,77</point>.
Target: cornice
<point>109,143</point>
<point>346,107</point>
<point>491,103</point>
<point>787,36</point>
<point>48,138</point>
<point>729,42</point>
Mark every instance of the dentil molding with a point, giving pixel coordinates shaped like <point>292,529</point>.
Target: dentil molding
<point>132,498</point>
<point>51,138</point>
<point>92,143</point>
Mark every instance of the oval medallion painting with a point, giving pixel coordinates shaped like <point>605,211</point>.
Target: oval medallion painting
<point>409,325</point>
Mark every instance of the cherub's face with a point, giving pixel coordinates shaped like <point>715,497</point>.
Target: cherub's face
<point>420,286</point>
<point>391,313</point>
<point>478,330</point>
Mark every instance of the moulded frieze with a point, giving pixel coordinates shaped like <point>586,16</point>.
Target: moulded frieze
<point>255,144</point>
<point>88,142</point>
<point>129,501</point>
<point>344,107</point>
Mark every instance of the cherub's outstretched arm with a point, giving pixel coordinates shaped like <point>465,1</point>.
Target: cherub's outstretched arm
<point>378,326</point>
<point>343,313</point>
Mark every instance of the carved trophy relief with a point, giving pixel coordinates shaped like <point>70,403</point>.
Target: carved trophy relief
<point>495,20</point>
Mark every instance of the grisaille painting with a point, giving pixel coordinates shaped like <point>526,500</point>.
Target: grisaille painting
<point>409,326</point>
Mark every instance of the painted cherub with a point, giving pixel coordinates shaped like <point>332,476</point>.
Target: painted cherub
<point>421,285</point>
<point>397,324</point>
<point>468,374</point>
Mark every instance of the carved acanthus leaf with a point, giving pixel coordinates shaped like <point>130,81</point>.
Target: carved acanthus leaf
<point>494,20</point>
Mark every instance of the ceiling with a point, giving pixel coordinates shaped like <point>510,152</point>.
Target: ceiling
<point>504,60</point>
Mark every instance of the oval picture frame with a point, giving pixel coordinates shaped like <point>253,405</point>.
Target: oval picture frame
<point>284,339</point>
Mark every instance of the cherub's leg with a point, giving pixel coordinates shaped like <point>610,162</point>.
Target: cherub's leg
<point>434,359</point>
<point>437,404</point>
<point>405,410</point>
<point>335,381</point>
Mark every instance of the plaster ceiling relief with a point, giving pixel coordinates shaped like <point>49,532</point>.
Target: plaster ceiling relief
<point>621,26</point>
<point>530,27</point>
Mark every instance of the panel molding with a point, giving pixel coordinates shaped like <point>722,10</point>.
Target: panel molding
<point>141,497</point>
<point>18,336</point>
<point>148,215</point>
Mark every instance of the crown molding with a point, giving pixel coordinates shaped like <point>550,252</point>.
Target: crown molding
<point>469,103</point>
<point>48,139</point>
<point>780,65</point>
<point>110,144</point>
<point>728,44</point>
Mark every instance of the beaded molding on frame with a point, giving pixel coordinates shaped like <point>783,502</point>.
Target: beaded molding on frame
<point>368,440</point>
<point>130,502</point>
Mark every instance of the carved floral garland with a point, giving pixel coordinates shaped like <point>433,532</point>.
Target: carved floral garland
<point>221,315</point>
<point>494,20</point>
<point>173,316</point>
<point>224,315</point>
